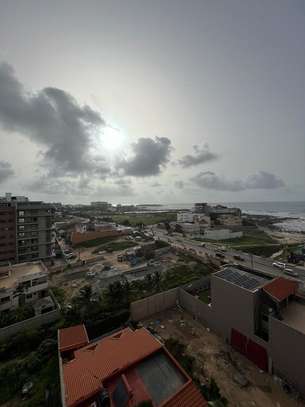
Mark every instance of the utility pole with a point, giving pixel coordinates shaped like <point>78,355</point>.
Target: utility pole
<point>252,262</point>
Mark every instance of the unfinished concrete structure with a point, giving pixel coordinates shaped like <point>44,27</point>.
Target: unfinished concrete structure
<point>23,283</point>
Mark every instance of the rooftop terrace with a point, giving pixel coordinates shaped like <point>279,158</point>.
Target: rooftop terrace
<point>11,275</point>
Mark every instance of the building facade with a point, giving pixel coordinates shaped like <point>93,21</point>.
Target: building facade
<point>8,249</point>
<point>21,284</point>
<point>27,225</point>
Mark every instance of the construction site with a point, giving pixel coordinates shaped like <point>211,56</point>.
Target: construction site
<point>239,380</point>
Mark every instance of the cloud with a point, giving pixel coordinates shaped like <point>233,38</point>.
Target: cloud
<point>156,185</point>
<point>260,180</point>
<point>83,186</point>
<point>201,155</point>
<point>264,180</point>
<point>149,156</point>
<point>179,184</point>
<point>210,180</point>
<point>6,171</point>
<point>52,118</point>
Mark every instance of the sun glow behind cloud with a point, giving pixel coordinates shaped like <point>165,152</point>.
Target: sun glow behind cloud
<point>112,139</point>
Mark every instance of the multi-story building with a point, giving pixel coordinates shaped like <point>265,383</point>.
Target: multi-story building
<point>8,250</point>
<point>219,214</point>
<point>27,225</point>
<point>103,206</point>
<point>127,368</point>
<point>21,284</point>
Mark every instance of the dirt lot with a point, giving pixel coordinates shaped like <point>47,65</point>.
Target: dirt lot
<point>216,359</point>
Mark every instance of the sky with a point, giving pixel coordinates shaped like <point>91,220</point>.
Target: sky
<point>144,101</point>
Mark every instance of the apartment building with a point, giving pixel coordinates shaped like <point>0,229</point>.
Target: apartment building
<point>219,214</point>
<point>27,225</point>
<point>126,368</point>
<point>8,250</point>
<point>191,217</point>
<point>21,284</point>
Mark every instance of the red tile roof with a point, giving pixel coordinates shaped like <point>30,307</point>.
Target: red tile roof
<point>83,376</point>
<point>188,396</point>
<point>280,288</point>
<point>72,338</point>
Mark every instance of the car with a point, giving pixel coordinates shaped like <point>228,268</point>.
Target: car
<point>279,265</point>
<point>237,257</point>
<point>91,273</point>
<point>291,272</point>
<point>221,255</point>
<point>202,245</point>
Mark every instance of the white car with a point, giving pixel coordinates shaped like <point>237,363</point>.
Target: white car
<point>91,273</point>
<point>291,272</point>
<point>279,265</point>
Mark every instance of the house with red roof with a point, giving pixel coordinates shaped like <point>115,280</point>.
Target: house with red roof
<point>123,369</point>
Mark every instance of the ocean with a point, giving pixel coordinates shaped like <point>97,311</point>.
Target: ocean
<point>293,210</point>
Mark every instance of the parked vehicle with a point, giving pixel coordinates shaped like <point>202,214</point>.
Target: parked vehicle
<point>91,273</point>
<point>237,257</point>
<point>279,265</point>
<point>291,272</point>
<point>221,255</point>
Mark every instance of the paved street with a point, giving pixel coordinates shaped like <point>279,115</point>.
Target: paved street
<point>260,264</point>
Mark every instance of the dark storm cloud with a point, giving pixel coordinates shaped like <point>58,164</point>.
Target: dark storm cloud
<point>52,118</point>
<point>6,171</point>
<point>210,180</point>
<point>260,180</point>
<point>264,180</point>
<point>201,155</point>
<point>80,187</point>
<point>149,156</point>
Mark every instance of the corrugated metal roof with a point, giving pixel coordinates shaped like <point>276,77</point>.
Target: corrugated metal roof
<point>188,396</point>
<point>72,338</point>
<point>280,288</point>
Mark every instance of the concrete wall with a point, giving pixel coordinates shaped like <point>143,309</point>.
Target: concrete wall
<point>233,307</point>
<point>152,305</point>
<point>77,237</point>
<point>201,311</point>
<point>287,350</point>
<point>30,323</point>
<point>221,234</point>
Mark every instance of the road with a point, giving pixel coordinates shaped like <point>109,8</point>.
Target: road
<point>257,263</point>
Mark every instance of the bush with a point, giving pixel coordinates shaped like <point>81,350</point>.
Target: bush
<point>211,392</point>
<point>178,350</point>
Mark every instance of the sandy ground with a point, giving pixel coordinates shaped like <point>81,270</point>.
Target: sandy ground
<point>216,359</point>
<point>286,237</point>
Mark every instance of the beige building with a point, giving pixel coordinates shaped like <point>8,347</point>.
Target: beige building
<point>22,283</point>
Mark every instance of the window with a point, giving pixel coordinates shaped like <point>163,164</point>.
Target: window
<point>21,234</point>
<point>21,227</point>
<point>25,284</point>
<point>21,213</point>
<point>28,296</point>
<point>3,300</point>
<point>21,220</point>
<point>37,281</point>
